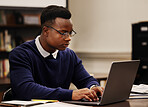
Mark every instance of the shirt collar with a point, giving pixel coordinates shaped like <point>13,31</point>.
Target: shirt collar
<point>42,51</point>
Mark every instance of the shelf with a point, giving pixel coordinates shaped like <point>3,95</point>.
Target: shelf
<point>4,81</point>
<point>4,54</point>
<point>19,30</point>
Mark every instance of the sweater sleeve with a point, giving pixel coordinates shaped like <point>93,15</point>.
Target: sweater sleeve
<point>81,77</point>
<point>23,84</point>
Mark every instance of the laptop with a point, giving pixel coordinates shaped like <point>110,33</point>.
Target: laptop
<point>119,83</point>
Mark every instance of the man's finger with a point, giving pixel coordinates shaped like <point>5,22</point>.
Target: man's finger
<point>95,95</point>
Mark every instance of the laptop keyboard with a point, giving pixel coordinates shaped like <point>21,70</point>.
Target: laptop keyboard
<point>85,100</point>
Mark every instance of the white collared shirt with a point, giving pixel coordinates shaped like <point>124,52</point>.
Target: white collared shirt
<point>42,51</point>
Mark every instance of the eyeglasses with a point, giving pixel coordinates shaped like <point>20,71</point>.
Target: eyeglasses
<point>64,35</point>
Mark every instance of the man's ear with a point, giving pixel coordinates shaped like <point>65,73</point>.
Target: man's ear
<point>45,31</point>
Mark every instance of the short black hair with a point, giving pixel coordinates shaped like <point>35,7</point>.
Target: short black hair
<point>50,13</point>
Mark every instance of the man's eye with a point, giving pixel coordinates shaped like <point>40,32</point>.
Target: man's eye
<point>70,32</point>
<point>65,33</point>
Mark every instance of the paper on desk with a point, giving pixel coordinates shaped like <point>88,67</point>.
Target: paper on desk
<point>58,104</point>
<point>18,102</point>
<point>142,88</point>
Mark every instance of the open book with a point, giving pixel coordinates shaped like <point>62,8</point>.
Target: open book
<point>139,92</point>
<point>141,89</point>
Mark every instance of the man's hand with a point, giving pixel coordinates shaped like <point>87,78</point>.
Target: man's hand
<point>86,93</point>
<point>99,90</point>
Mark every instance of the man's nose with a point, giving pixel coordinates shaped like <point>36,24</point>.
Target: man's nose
<point>68,38</point>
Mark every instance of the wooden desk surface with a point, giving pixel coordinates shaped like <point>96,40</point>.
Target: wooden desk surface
<point>138,102</point>
<point>129,103</point>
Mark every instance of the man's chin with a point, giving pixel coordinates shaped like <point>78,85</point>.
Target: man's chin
<point>61,49</point>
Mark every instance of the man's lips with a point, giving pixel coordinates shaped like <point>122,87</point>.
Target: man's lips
<point>66,45</point>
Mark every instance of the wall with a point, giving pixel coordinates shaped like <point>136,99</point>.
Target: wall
<point>105,25</point>
<point>104,28</point>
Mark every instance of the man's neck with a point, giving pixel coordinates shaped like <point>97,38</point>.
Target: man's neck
<point>48,49</point>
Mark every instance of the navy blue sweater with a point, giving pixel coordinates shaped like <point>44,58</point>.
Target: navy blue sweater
<point>35,77</point>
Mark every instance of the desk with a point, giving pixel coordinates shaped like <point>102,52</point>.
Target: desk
<point>129,103</point>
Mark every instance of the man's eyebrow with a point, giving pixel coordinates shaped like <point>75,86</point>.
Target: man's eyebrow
<point>64,30</point>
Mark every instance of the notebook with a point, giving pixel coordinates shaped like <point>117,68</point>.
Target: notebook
<point>119,83</point>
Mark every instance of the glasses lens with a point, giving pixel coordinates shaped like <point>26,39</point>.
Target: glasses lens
<point>72,33</point>
<point>67,34</point>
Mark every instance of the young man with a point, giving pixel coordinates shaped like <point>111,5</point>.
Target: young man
<point>44,68</point>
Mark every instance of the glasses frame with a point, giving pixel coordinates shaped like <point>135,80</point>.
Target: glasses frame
<point>66,34</point>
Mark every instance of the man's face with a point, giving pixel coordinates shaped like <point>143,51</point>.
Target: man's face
<point>54,40</point>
